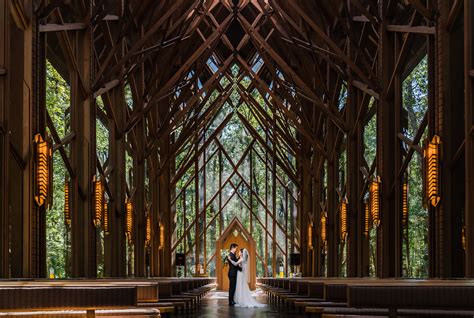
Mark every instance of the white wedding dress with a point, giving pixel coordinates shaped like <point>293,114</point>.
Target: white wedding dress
<point>243,296</point>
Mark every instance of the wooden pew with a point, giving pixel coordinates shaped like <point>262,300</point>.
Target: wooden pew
<point>147,295</point>
<point>429,299</point>
<point>336,289</point>
<point>77,300</point>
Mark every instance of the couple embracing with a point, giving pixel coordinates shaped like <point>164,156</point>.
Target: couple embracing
<point>239,277</point>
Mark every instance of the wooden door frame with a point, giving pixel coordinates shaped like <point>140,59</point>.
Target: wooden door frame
<point>235,224</point>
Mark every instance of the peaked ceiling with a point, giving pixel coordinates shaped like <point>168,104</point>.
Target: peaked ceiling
<point>297,54</point>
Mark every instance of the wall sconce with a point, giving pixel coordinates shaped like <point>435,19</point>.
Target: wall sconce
<point>67,209</point>
<point>43,169</point>
<point>129,219</point>
<point>106,218</point>
<point>148,230</point>
<point>310,235</point>
<point>162,236</point>
<point>98,200</point>
<point>343,216</point>
<point>366,218</point>
<point>375,201</point>
<point>323,229</point>
<point>405,203</point>
<point>463,237</point>
<point>431,155</point>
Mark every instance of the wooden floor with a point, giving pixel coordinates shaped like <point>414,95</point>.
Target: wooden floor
<point>215,304</point>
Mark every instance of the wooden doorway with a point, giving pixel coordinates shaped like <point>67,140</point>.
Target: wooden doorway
<point>234,233</point>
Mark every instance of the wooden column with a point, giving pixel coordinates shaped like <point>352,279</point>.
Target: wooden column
<point>140,210</point>
<point>155,199</point>
<point>115,256</point>
<point>305,209</point>
<point>332,206</point>
<point>469,141</point>
<point>353,183</point>
<point>165,206</point>
<point>387,260</point>
<point>446,96</point>
<point>316,211</point>
<point>139,182</point>
<point>21,217</point>
<point>4,140</point>
<point>84,263</point>
<point>446,107</point>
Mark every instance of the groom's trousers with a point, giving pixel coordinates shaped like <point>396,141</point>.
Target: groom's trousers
<point>232,285</point>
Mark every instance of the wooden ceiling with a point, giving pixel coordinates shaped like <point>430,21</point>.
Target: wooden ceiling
<point>308,49</point>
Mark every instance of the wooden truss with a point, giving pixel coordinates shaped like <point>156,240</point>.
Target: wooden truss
<point>157,75</point>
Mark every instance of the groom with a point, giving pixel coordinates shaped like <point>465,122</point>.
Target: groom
<point>232,273</point>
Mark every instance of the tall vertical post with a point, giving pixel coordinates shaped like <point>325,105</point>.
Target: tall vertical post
<point>386,153</point>
<point>155,201</point>
<point>84,263</point>
<point>139,182</point>
<point>353,182</point>
<point>469,140</point>
<point>305,208</point>
<point>164,208</point>
<point>115,242</point>
<point>447,92</point>
<point>4,141</point>
<point>21,215</point>
<point>332,205</point>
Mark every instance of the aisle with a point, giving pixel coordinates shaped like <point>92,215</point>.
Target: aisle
<point>215,304</point>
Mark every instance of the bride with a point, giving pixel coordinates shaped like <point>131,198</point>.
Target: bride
<point>243,296</point>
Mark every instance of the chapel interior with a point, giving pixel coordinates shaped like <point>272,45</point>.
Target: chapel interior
<point>332,139</point>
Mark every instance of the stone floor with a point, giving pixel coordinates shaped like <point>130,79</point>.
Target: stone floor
<point>215,304</point>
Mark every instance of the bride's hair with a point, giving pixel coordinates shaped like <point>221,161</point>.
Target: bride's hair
<point>245,254</point>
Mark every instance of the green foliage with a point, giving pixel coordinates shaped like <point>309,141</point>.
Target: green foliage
<point>58,244</point>
<point>415,104</point>
<point>248,194</point>
<point>58,106</point>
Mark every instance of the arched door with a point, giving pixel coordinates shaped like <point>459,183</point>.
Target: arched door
<point>234,233</point>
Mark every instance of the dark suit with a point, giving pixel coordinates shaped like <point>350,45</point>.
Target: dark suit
<point>232,276</point>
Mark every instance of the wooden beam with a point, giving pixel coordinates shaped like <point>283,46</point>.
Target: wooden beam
<point>363,87</point>
<point>422,9</point>
<point>411,29</point>
<point>321,34</point>
<point>107,87</point>
<point>454,14</point>
<point>52,27</point>
<point>66,140</point>
<point>288,70</point>
<point>197,54</point>
<point>138,45</point>
<point>370,17</point>
<point>410,143</point>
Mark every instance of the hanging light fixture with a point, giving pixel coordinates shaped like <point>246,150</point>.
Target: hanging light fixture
<point>366,219</point>
<point>323,222</point>
<point>310,235</point>
<point>98,201</point>
<point>162,235</point>
<point>129,219</point>
<point>148,230</point>
<point>431,155</point>
<point>343,216</point>
<point>375,201</point>
<point>405,203</point>
<point>67,209</point>
<point>105,220</point>
<point>42,166</point>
